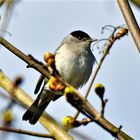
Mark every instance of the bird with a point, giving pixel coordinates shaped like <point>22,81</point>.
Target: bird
<point>74,61</point>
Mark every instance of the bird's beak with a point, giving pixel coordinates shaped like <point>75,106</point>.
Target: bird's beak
<point>94,39</point>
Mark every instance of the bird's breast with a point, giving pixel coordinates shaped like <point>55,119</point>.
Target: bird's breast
<point>74,66</point>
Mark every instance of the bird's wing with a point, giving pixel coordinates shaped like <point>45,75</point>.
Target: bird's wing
<point>39,83</point>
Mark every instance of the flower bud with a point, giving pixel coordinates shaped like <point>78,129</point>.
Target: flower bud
<point>48,56</point>
<point>55,85</point>
<point>99,89</point>
<point>7,116</point>
<point>18,80</point>
<point>67,122</point>
<point>121,32</point>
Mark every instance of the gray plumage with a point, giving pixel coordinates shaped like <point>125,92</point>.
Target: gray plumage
<point>74,62</point>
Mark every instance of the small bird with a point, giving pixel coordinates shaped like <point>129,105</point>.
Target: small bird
<point>74,62</point>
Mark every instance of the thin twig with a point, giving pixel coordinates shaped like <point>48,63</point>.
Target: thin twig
<point>103,104</point>
<point>20,131</point>
<point>130,21</point>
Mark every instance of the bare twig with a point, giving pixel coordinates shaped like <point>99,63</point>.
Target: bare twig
<point>130,21</point>
<point>103,104</point>
<point>20,131</point>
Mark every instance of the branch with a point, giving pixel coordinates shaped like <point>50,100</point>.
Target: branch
<point>81,104</point>
<point>130,21</point>
<point>85,105</point>
<point>20,131</point>
<point>23,98</point>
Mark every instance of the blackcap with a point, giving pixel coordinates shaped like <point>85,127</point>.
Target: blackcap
<point>74,62</point>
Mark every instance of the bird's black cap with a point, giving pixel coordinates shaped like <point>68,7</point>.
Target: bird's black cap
<point>80,34</point>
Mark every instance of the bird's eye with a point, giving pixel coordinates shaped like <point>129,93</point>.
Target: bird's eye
<point>84,39</point>
<point>79,38</point>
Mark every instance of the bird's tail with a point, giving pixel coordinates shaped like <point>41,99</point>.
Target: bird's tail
<point>36,109</point>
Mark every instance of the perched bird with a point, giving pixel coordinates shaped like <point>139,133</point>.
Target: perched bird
<point>74,62</point>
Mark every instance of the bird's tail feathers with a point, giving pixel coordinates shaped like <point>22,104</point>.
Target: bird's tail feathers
<point>35,110</point>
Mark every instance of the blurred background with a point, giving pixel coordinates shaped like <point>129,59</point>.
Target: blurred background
<point>35,27</point>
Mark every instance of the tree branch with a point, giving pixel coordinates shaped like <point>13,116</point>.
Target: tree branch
<point>130,21</point>
<point>20,131</point>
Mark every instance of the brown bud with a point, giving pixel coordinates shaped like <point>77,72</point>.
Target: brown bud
<point>121,32</point>
<point>55,85</point>
<point>18,80</point>
<point>50,61</point>
<point>48,56</point>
